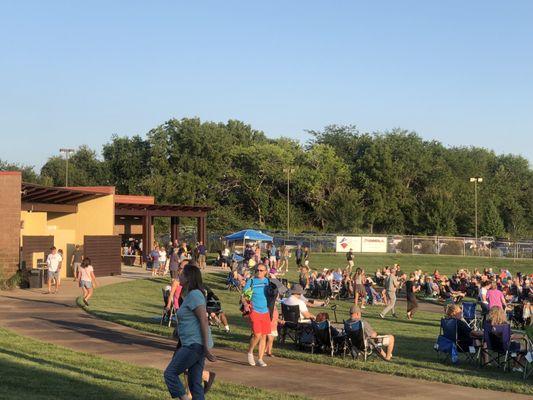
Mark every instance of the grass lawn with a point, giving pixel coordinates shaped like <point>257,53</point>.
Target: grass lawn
<point>409,262</point>
<point>139,303</point>
<point>31,369</point>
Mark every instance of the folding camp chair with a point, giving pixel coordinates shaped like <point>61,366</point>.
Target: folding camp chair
<point>233,284</point>
<point>498,347</point>
<point>323,289</point>
<point>528,364</point>
<point>357,343</point>
<point>167,316</point>
<point>470,315</point>
<point>290,327</point>
<point>323,337</point>
<point>335,289</point>
<point>306,337</point>
<point>448,339</point>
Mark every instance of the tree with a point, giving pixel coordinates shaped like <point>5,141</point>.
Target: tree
<point>491,222</point>
<point>28,173</point>
<point>128,162</point>
<point>84,169</point>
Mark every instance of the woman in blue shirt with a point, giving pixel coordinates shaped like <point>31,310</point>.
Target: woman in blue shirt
<point>195,338</point>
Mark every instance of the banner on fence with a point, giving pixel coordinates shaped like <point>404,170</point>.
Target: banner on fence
<point>345,243</point>
<point>373,244</point>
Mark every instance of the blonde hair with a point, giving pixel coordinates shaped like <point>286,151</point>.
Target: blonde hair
<point>452,310</point>
<point>497,316</point>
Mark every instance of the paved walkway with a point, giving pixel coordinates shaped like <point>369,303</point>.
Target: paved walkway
<point>57,319</point>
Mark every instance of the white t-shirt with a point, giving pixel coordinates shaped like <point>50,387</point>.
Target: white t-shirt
<point>162,256</point>
<point>53,261</point>
<point>294,301</point>
<point>483,291</point>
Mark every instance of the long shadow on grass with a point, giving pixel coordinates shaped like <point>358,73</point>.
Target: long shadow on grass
<point>28,382</point>
<point>69,367</point>
<point>110,335</point>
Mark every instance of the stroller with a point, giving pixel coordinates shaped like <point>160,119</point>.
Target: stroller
<point>232,283</point>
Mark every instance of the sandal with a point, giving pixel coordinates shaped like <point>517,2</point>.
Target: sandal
<point>209,382</point>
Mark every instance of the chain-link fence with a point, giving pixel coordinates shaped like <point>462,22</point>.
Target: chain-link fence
<point>403,244</point>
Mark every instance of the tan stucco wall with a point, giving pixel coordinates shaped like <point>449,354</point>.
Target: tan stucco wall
<point>34,224</point>
<point>94,217</point>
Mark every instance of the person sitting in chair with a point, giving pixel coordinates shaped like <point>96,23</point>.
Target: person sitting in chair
<point>295,299</point>
<point>214,308</point>
<point>387,341</point>
<point>464,337</point>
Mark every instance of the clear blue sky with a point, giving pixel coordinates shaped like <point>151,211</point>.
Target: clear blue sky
<point>74,73</point>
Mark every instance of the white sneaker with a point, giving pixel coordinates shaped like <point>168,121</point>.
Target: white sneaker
<point>261,363</point>
<point>363,307</point>
<point>251,360</point>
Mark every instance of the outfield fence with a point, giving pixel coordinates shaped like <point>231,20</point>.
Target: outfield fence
<point>400,244</point>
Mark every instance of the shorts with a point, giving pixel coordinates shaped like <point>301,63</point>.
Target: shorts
<point>86,284</point>
<point>384,339</point>
<point>260,323</point>
<point>350,263</point>
<point>273,259</point>
<point>53,275</point>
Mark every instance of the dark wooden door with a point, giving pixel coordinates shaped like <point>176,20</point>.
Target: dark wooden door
<point>34,244</point>
<point>104,252</point>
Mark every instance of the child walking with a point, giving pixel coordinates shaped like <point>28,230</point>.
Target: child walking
<point>86,279</point>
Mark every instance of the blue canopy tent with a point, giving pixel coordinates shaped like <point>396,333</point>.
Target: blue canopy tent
<point>248,234</point>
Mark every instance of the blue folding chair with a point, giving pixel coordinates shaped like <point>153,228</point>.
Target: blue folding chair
<point>498,346</point>
<point>357,343</point>
<point>449,345</point>
<point>470,315</point>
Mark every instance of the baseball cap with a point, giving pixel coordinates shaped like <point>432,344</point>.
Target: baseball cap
<point>297,289</point>
<point>355,309</point>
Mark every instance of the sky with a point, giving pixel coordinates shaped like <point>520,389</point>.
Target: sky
<point>74,73</point>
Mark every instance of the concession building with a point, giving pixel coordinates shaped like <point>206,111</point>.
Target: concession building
<point>35,218</point>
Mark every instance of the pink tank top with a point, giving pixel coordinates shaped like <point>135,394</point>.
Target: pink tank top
<point>176,299</point>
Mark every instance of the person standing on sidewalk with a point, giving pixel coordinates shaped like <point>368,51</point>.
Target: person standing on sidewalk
<point>195,339</point>
<point>75,261</point>
<point>259,313</point>
<point>202,251</point>
<point>53,262</point>
<point>391,285</point>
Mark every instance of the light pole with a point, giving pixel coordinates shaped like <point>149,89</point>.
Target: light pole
<point>67,154</point>
<point>288,171</point>
<point>476,180</point>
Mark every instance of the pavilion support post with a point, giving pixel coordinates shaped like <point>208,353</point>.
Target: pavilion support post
<point>147,236</point>
<point>201,230</point>
<point>174,229</point>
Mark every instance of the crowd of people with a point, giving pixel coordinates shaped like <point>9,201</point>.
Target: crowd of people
<point>259,276</point>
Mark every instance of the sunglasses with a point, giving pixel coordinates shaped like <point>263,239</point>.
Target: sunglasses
<point>261,270</point>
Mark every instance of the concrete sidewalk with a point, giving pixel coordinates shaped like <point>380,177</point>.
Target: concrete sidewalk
<point>57,319</point>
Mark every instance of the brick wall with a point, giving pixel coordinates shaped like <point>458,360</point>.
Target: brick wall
<point>10,184</point>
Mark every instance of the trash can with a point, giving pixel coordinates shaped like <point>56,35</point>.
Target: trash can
<point>36,278</point>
